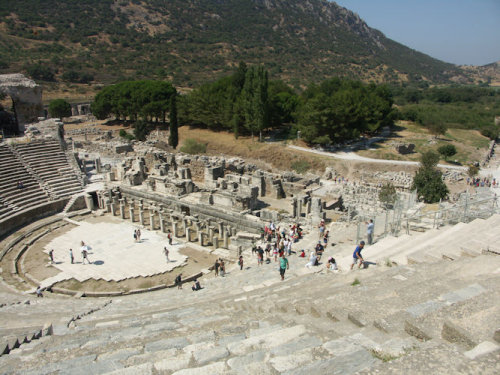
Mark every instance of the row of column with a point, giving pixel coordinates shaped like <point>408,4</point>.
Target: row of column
<point>169,219</point>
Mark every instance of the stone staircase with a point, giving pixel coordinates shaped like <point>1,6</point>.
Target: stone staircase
<point>49,162</point>
<point>250,322</point>
<point>13,199</point>
<point>449,242</point>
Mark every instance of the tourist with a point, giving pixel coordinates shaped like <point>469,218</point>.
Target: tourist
<point>283,266</point>
<point>268,250</point>
<point>319,250</point>
<point>71,256</point>
<point>51,256</point>
<point>356,256</point>
<point>321,229</point>
<point>275,252</point>
<point>85,256</point>
<point>196,286</point>
<point>240,262</point>
<point>135,235</point>
<point>178,281</point>
<point>331,264</point>
<point>169,236</point>
<point>325,237</point>
<point>20,185</point>
<point>313,260</point>
<point>38,291</point>
<point>302,253</point>
<point>260,256</point>
<point>138,235</point>
<point>165,250</point>
<point>369,231</point>
<point>222,267</point>
<point>216,267</point>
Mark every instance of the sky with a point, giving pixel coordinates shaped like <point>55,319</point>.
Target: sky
<point>462,32</point>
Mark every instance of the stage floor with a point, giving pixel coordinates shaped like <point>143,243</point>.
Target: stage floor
<point>113,252</point>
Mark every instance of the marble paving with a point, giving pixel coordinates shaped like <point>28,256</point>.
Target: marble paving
<point>113,252</point>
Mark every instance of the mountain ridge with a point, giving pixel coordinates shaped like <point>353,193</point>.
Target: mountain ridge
<point>192,41</point>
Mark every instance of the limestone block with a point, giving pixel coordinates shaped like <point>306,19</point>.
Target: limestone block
<point>483,348</point>
<point>457,335</point>
<point>26,97</point>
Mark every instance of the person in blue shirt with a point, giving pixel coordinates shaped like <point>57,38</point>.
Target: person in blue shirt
<point>356,256</point>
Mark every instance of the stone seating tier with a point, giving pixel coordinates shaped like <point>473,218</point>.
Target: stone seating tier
<point>250,322</point>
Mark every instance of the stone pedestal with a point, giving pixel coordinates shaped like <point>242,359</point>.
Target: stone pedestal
<point>141,215</point>
<point>215,242</point>
<point>221,228</point>
<point>211,231</point>
<point>226,240</point>
<point>162,222</point>
<point>122,209</point>
<point>89,202</point>
<point>200,238</point>
<point>131,212</point>
<point>152,220</point>
<point>112,207</point>
<point>188,234</point>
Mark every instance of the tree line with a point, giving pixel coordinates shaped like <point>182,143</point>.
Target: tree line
<point>248,103</point>
<point>133,100</point>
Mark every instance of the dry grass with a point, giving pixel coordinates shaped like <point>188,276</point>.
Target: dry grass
<point>470,144</point>
<point>275,155</point>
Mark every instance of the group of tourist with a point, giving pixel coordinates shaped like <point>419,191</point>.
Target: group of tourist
<point>84,251</point>
<point>220,267</point>
<point>137,235</point>
<point>482,182</point>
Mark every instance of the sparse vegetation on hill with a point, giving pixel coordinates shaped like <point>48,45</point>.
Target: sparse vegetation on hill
<point>190,42</point>
<point>462,107</point>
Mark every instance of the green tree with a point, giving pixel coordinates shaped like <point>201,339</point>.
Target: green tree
<point>472,171</point>
<point>173,139</point>
<point>429,159</point>
<point>255,102</point>
<point>447,150</point>
<point>141,130</point>
<point>436,128</point>
<point>59,108</point>
<point>387,194</point>
<point>428,180</point>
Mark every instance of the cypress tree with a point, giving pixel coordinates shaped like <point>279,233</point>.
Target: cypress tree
<point>173,139</point>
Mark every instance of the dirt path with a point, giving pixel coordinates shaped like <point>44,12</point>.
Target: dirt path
<point>353,157</point>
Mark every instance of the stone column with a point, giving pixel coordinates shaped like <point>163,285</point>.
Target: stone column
<point>221,228</point>
<point>200,238</point>
<point>162,221</point>
<point>151,219</point>
<point>141,213</point>
<point>98,165</point>
<point>175,226</point>
<point>197,225</point>
<point>131,211</point>
<point>226,240</point>
<point>294,207</point>
<point>122,209</point>
<point>215,242</point>
<point>300,202</point>
<point>211,234</point>
<point>309,203</point>
<point>188,234</point>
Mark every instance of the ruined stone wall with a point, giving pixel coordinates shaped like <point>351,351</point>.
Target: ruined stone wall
<point>26,96</point>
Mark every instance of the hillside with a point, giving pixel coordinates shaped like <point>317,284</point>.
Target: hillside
<point>189,41</point>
